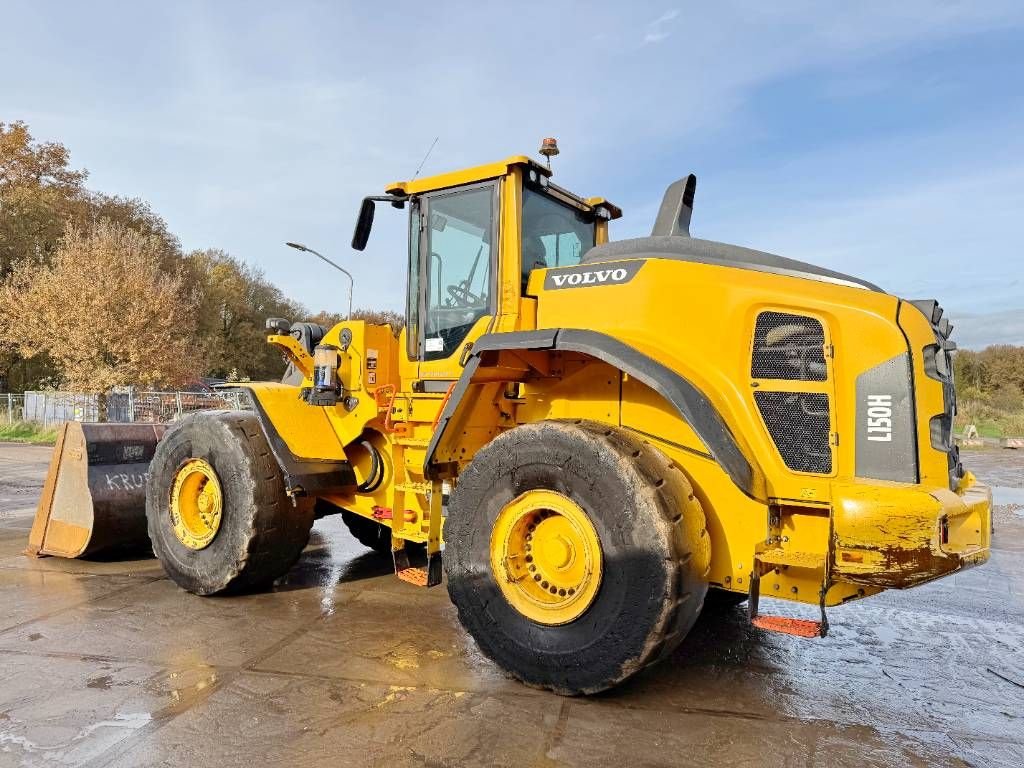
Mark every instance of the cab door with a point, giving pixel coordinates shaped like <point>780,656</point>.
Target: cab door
<point>452,278</point>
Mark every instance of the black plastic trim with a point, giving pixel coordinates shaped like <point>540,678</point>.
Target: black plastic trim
<point>432,386</point>
<point>697,251</point>
<point>688,401</point>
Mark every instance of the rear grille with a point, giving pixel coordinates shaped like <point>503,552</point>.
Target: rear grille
<point>938,365</point>
<point>788,347</point>
<point>799,424</point>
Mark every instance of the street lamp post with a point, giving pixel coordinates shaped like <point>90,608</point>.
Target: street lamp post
<point>351,280</point>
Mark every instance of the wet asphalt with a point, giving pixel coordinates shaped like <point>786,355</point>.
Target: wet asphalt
<point>108,663</point>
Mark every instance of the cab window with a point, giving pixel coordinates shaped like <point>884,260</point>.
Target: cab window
<point>460,235</point>
<point>412,298</point>
<point>555,234</point>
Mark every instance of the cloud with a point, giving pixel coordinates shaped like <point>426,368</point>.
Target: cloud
<point>947,230</point>
<point>980,331</point>
<point>248,130</point>
<point>655,30</point>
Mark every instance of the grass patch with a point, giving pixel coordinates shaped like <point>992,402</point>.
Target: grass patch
<point>991,419</point>
<point>27,432</point>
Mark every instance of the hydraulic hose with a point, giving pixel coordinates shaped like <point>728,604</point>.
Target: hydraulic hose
<point>376,475</point>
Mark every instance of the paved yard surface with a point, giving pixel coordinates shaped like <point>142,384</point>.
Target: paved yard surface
<point>110,664</point>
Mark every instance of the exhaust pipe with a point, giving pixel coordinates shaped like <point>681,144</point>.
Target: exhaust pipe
<point>676,209</point>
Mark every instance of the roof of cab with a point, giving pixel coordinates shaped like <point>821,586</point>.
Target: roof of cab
<point>491,171</point>
<point>464,176</point>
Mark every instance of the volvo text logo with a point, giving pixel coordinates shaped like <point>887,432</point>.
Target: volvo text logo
<point>589,278</point>
<point>599,274</point>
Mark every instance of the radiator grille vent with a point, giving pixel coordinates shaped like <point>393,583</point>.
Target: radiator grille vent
<point>788,347</point>
<point>799,424</point>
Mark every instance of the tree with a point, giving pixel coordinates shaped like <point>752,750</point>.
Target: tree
<point>114,258</point>
<point>103,310</point>
<point>373,316</point>
<point>233,303</point>
<point>37,190</point>
<point>995,370</point>
<point>41,195</point>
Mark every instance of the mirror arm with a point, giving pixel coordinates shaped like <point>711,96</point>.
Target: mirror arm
<point>365,221</point>
<point>397,201</point>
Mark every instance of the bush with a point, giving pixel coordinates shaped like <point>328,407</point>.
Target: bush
<point>27,432</point>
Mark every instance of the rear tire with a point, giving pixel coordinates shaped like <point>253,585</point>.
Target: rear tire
<point>261,533</point>
<point>654,552</point>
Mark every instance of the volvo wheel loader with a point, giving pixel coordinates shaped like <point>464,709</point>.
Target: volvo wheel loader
<point>606,436</point>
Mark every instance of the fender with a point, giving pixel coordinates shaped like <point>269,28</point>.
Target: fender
<point>302,476</point>
<point>691,404</point>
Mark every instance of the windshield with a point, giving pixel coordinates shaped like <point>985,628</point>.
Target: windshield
<point>555,234</point>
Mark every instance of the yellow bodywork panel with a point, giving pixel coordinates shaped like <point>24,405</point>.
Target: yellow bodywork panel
<point>462,177</point>
<point>673,312</point>
<point>896,535</point>
<point>307,431</point>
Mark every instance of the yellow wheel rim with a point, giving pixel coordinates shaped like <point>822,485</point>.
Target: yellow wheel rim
<point>196,504</point>
<point>546,557</point>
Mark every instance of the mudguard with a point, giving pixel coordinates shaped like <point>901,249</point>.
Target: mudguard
<point>306,447</point>
<point>692,405</point>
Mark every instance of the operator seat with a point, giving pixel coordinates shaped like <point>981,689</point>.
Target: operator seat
<point>535,256</point>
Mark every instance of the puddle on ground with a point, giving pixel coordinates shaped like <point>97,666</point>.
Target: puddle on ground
<point>82,746</point>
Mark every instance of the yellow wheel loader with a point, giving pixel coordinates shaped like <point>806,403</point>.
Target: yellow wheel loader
<point>602,437</point>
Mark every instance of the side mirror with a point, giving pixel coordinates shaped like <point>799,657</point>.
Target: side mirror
<point>363,224</point>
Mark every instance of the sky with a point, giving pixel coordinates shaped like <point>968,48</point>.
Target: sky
<point>881,139</point>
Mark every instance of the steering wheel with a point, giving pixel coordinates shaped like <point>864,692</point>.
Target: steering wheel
<point>463,297</point>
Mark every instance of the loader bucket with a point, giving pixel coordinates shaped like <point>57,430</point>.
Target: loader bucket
<point>94,497</point>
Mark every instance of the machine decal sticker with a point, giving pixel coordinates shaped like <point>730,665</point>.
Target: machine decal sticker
<point>371,366</point>
<point>886,444</point>
<point>880,418</point>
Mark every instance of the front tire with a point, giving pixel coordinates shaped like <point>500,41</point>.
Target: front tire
<point>651,562</point>
<point>218,515</point>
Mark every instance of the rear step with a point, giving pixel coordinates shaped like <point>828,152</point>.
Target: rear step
<point>788,626</point>
<point>420,577</point>
<point>766,561</point>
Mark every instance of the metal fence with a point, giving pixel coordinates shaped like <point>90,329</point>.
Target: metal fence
<point>12,408</point>
<point>53,408</point>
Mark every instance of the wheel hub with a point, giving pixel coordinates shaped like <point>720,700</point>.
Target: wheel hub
<point>196,504</point>
<point>546,557</point>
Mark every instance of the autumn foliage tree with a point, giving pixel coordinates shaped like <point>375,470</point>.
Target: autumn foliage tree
<point>373,316</point>
<point>104,310</point>
<point>41,196</point>
<point>233,301</point>
<point>95,291</point>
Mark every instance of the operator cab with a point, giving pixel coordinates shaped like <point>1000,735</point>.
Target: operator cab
<point>464,262</point>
